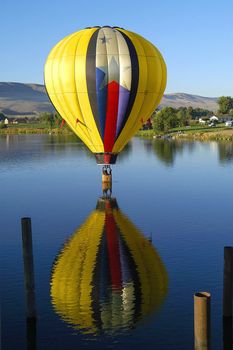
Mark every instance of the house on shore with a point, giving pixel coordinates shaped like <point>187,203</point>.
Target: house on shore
<point>204,120</point>
<point>225,118</point>
<point>214,119</point>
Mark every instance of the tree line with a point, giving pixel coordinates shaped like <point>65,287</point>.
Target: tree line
<point>169,118</point>
<point>52,120</point>
<point>225,105</point>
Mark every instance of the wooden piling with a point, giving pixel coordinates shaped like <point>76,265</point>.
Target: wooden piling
<point>202,320</point>
<point>228,282</point>
<point>28,267</point>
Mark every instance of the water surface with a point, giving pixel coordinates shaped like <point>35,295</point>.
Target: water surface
<point>114,276</point>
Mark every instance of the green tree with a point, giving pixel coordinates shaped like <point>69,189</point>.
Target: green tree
<point>165,119</point>
<point>183,117</point>
<point>2,116</point>
<point>51,119</point>
<point>225,104</point>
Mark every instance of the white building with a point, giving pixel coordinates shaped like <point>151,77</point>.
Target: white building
<point>214,119</point>
<point>201,121</point>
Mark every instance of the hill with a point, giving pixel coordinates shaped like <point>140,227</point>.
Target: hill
<point>23,99</point>
<point>177,100</point>
<point>31,99</point>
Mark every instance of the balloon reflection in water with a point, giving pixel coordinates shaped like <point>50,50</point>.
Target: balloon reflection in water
<point>108,275</point>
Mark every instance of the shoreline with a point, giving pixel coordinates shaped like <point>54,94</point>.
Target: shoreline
<point>38,131</point>
<point>213,135</point>
<point>226,134</point>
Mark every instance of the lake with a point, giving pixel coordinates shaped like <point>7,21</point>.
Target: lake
<point>120,272</point>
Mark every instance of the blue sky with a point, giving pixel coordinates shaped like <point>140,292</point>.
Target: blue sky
<point>195,37</point>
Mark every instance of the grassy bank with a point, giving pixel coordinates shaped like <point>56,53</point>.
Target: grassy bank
<point>33,129</point>
<point>192,133</point>
<point>195,132</point>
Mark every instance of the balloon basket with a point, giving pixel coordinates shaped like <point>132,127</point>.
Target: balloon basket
<point>106,158</point>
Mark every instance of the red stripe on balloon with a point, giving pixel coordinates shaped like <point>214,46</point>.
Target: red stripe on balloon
<point>111,116</point>
<point>113,251</point>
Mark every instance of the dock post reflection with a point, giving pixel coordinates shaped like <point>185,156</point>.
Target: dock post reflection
<point>227,333</point>
<point>227,298</point>
<point>228,282</point>
<point>31,333</point>
<point>28,267</point>
<point>29,283</point>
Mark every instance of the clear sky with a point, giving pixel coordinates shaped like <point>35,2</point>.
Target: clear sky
<point>195,37</point>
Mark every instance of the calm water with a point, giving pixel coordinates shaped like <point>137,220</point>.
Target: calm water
<point>117,273</point>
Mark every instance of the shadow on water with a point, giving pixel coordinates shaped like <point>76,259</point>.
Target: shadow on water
<point>108,276</point>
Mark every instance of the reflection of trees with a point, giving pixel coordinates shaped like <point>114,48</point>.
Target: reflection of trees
<point>61,143</point>
<point>225,152</point>
<point>166,150</point>
<point>124,154</point>
<point>33,148</point>
<point>26,148</point>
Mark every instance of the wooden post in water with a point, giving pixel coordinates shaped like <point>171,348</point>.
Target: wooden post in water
<point>228,282</point>
<point>202,320</point>
<point>28,267</point>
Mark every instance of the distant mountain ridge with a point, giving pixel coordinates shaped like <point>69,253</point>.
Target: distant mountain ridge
<point>177,100</point>
<point>24,99</point>
<point>31,99</point>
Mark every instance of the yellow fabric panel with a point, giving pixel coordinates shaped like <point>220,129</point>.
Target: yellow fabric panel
<point>149,49</point>
<point>62,79</point>
<point>153,51</point>
<point>81,88</point>
<point>158,71</point>
<point>53,52</point>
<point>73,271</point>
<point>164,73</point>
<point>152,71</point>
<point>78,127</point>
<point>155,75</point>
<point>59,79</point>
<point>52,79</point>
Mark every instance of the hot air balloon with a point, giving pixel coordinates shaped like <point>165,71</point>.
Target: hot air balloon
<point>108,276</point>
<point>105,82</point>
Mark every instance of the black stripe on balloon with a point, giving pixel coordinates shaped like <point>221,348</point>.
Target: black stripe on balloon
<point>134,81</point>
<point>91,77</point>
<point>101,281</point>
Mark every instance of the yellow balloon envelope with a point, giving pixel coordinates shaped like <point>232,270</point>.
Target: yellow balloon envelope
<point>105,82</point>
<point>107,276</point>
